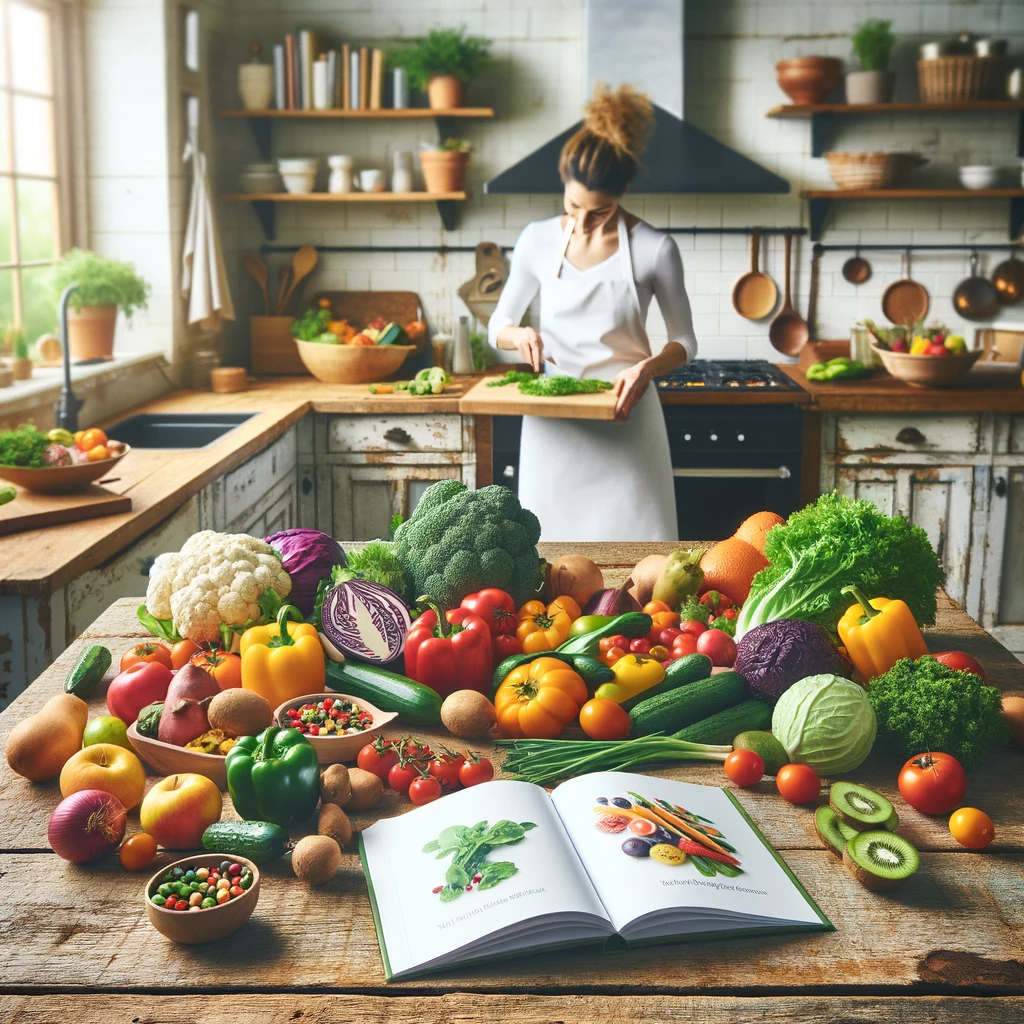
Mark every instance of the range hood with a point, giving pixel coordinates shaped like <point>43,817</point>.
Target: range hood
<point>642,42</point>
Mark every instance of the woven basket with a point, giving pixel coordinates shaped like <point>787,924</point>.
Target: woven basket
<point>955,79</point>
<point>871,170</point>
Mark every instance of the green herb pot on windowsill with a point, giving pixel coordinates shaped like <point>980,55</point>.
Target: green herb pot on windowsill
<point>21,368</point>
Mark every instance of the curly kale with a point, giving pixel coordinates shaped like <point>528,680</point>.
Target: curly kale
<point>923,705</point>
<point>25,446</point>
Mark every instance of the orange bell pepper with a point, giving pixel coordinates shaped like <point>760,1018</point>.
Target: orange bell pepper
<point>662,617</point>
<point>539,699</point>
<point>543,629</point>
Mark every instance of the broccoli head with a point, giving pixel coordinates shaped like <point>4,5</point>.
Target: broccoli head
<point>458,541</point>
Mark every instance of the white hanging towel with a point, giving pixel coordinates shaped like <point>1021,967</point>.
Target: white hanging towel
<point>204,282</point>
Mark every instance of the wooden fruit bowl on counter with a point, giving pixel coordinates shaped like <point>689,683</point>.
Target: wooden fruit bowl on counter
<point>928,371</point>
<point>352,364</point>
<point>60,479</point>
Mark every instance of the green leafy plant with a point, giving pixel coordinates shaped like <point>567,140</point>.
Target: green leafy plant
<point>25,446</point>
<point>455,146</point>
<point>312,325</point>
<point>873,42</point>
<point>18,342</point>
<point>101,282</point>
<point>446,51</point>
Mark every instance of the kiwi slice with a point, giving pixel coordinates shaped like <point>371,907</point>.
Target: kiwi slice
<point>772,752</point>
<point>893,822</point>
<point>833,834</point>
<point>859,807</point>
<point>880,861</point>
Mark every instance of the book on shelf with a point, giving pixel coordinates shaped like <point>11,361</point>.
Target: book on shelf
<point>291,74</point>
<point>610,858</point>
<point>364,78</point>
<point>345,99</point>
<point>355,80</point>
<point>280,94</point>
<point>376,78</point>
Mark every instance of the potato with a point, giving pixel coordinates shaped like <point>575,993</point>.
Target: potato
<point>367,790</point>
<point>336,785</point>
<point>334,823</point>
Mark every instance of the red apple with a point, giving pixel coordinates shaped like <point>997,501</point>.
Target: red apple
<point>936,349</point>
<point>178,810</point>
<point>964,662</point>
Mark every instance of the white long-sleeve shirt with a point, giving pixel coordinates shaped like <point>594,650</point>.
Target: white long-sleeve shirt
<point>657,270</point>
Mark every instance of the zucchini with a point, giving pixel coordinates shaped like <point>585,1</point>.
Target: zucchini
<point>257,840</point>
<point>90,668</point>
<point>679,672</point>
<point>414,702</point>
<point>724,725</point>
<point>684,705</point>
<point>631,624</point>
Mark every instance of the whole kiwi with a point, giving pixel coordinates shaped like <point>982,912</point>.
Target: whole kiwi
<point>334,822</point>
<point>315,859</point>
<point>336,785</point>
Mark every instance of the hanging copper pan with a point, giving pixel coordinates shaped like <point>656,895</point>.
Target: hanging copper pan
<point>754,294</point>
<point>905,300</point>
<point>1008,278</point>
<point>976,297</point>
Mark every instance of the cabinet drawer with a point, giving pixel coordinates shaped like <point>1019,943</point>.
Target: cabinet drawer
<point>863,433</point>
<point>427,433</point>
<point>1017,435</point>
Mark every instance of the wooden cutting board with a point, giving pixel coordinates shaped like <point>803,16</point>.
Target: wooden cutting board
<point>510,401</point>
<point>32,511</point>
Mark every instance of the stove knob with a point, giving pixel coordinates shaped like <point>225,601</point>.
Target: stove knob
<point>741,437</point>
<point>687,437</point>
<point>714,437</point>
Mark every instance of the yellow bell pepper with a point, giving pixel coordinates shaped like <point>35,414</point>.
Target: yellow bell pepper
<point>919,345</point>
<point>634,673</point>
<point>543,629</point>
<point>879,633</point>
<point>283,660</point>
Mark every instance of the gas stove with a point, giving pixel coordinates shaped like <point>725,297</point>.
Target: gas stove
<point>727,375</point>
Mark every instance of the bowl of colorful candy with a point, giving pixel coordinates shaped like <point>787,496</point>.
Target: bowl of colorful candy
<point>337,725</point>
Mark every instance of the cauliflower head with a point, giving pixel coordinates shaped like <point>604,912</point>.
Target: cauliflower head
<point>215,579</point>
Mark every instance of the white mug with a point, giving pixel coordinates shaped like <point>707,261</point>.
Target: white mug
<point>371,180</point>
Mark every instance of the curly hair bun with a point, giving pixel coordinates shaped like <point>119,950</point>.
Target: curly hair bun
<point>623,118</point>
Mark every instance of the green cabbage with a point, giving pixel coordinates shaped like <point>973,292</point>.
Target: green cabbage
<point>827,722</point>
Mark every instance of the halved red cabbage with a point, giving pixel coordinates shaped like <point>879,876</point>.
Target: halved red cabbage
<point>366,621</point>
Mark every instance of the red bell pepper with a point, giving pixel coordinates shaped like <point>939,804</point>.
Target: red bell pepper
<point>495,607</point>
<point>449,655</point>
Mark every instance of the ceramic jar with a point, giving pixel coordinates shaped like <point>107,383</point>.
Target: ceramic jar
<point>255,85</point>
<point>340,179</point>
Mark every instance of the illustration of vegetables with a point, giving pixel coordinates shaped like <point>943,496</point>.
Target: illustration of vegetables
<point>468,848</point>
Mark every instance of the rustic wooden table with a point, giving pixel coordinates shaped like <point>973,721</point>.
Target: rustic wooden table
<point>77,946</point>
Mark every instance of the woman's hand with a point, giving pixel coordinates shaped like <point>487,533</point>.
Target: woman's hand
<point>629,388</point>
<point>530,346</point>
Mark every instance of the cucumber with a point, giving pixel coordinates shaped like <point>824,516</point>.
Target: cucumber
<point>592,671</point>
<point>679,672</point>
<point>631,624</point>
<point>83,679</point>
<point>414,702</point>
<point>771,751</point>
<point>722,726</point>
<point>513,661</point>
<point>684,705</point>
<point>257,840</point>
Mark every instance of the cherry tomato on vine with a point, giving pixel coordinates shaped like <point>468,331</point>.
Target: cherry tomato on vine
<point>401,776</point>
<point>972,828</point>
<point>424,790</point>
<point>475,770</point>
<point>933,783</point>
<point>603,719</point>
<point>798,783</point>
<point>744,767</point>
<point>445,768</point>
<point>147,651</point>
<point>378,757</point>
<point>137,851</point>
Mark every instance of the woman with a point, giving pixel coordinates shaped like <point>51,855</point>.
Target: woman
<point>596,268</point>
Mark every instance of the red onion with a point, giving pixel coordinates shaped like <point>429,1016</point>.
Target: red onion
<point>86,826</point>
<point>612,602</point>
<point>366,621</point>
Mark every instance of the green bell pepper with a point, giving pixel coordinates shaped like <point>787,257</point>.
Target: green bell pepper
<point>274,776</point>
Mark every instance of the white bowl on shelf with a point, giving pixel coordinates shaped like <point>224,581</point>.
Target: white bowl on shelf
<point>260,178</point>
<point>299,173</point>
<point>977,176</point>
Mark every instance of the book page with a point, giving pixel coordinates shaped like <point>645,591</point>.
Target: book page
<point>632,831</point>
<point>438,890</point>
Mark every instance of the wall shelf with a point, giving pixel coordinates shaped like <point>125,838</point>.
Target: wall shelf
<point>821,200</point>
<point>824,116</point>
<point>264,203</point>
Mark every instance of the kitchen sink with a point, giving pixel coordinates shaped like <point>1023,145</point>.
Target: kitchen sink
<point>176,429</point>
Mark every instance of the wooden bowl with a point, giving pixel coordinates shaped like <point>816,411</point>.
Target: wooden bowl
<point>352,364</point>
<point>170,759</point>
<point>335,749</point>
<point>206,925</point>
<point>61,479</point>
<point>808,80</point>
<point>928,371</point>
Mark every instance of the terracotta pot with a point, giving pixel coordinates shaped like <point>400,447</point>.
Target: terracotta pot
<point>444,172</point>
<point>869,86</point>
<point>21,368</point>
<point>91,332</point>
<point>808,80</point>
<point>445,92</point>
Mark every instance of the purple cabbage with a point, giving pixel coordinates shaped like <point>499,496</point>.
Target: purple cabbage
<point>366,621</point>
<point>308,556</point>
<point>774,656</point>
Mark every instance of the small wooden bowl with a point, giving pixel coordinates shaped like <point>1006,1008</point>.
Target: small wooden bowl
<point>928,371</point>
<point>335,749</point>
<point>61,479</point>
<point>224,380</point>
<point>352,364</point>
<point>170,759</point>
<point>206,925</point>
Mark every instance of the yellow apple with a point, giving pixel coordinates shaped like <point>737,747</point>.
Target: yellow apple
<point>107,767</point>
<point>178,809</point>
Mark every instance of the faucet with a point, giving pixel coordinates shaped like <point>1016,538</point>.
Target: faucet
<point>66,409</point>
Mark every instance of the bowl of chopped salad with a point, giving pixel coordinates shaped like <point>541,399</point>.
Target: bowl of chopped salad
<point>336,724</point>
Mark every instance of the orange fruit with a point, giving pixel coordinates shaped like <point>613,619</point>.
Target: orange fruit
<point>729,566</point>
<point>754,528</point>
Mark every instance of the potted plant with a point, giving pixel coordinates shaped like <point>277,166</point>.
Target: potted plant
<point>444,168</point>
<point>872,43</point>
<point>104,286</point>
<point>443,63</point>
<point>21,365</point>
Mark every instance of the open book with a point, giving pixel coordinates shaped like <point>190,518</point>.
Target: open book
<point>607,858</point>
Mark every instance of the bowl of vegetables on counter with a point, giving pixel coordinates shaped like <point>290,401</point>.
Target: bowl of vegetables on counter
<point>57,462</point>
<point>923,357</point>
<point>337,725</point>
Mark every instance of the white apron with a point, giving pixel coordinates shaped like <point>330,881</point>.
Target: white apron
<point>590,480</point>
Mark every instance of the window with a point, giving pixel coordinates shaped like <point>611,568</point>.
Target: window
<point>31,178</point>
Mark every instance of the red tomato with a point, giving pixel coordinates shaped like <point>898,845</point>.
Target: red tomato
<point>504,645</point>
<point>933,783</point>
<point>692,627</point>
<point>423,791</point>
<point>972,828</point>
<point>495,607</point>
<point>936,350</point>
<point>798,783</point>
<point>639,646</point>
<point>744,767</point>
<point>475,770</point>
<point>607,643</point>
<point>603,719</point>
<point>148,651</point>
<point>683,646</point>
<point>445,768</point>
<point>718,646</point>
<point>964,662</point>
<point>378,757</point>
<point>137,851</point>
<point>667,636</point>
<point>401,776</point>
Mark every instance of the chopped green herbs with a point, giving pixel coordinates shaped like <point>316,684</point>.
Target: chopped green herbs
<point>539,386</point>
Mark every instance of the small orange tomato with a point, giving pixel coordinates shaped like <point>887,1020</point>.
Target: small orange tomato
<point>225,668</point>
<point>97,453</point>
<point>653,607</point>
<point>603,719</point>
<point>612,655</point>
<point>148,651</point>
<point>182,653</point>
<point>972,828</point>
<point>137,851</point>
<point>90,439</point>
